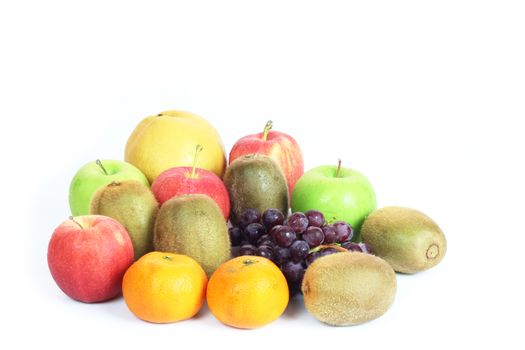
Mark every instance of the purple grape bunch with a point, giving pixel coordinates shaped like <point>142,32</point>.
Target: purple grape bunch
<point>292,243</point>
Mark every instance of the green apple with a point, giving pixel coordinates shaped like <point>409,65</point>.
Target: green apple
<point>93,176</point>
<point>339,193</point>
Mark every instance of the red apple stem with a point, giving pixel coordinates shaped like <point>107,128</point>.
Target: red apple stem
<point>198,150</point>
<point>338,171</point>
<point>76,222</point>
<point>99,163</point>
<point>267,128</point>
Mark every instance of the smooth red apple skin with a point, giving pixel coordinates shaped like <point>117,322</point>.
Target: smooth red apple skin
<point>280,147</point>
<point>177,181</point>
<point>88,264</point>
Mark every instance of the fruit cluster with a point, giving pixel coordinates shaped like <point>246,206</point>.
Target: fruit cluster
<point>173,226</point>
<point>292,243</point>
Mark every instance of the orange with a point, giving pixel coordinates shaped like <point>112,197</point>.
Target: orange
<point>247,292</point>
<point>164,287</point>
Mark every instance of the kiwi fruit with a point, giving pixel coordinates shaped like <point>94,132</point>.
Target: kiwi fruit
<point>345,289</point>
<point>255,181</point>
<point>133,205</point>
<point>409,240</point>
<point>193,225</point>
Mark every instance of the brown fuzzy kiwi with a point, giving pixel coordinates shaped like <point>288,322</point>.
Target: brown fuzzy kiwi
<point>255,181</point>
<point>345,289</point>
<point>409,240</point>
<point>193,225</point>
<point>133,205</point>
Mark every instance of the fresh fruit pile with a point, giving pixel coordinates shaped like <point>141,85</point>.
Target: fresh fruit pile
<point>173,226</point>
<point>292,243</point>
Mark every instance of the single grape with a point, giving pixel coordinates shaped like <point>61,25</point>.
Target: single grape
<point>328,251</point>
<point>247,249</point>
<point>299,250</point>
<point>265,239</point>
<point>249,216</point>
<point>284,236</point>
<point>351,246</point>
<point>343,231</point>
<point>265,251</point>
<point>314,236</point>
<point>365,248</point>
<point>315,218</point>
<point>281,255</point>
<point>293,272</point>
<point>330,236</point>
<point>271,218</point>
<point>298,222</point>
<point>235,236</point>
<point>253,232</point>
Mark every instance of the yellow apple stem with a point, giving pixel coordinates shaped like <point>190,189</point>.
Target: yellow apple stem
<point>338,168</point>
<point>198,150</point>
<point>99,163</point>
<point>267,128</point>
<point>76,222</point>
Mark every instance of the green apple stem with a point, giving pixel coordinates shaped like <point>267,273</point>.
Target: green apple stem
<point>267,128</point>
<point>198,150</point>
<point>75,221</point>
<point>99,163</point>
<point>338,171</point>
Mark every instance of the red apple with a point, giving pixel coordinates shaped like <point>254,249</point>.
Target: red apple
<point>88,256</point>
<point>277,145</point>
<point>179,181</point>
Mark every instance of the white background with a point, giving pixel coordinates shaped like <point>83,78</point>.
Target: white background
<point>425,98</point>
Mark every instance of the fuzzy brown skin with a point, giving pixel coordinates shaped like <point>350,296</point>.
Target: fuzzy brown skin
<point>409,240</point>
<point>345,289</point>
<point>193,225</point>
<point>133,205</point>
<point>255,181</point>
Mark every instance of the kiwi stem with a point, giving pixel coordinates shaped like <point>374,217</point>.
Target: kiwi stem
<point>198,150</point>
<point>99,163</point>
<point>267,128</point>
<point>76,222</point>
<point>338,171</point>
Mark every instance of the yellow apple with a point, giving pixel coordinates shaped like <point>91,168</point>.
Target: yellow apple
<point>169,139</point>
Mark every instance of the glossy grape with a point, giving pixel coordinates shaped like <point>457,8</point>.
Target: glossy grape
<point>284,236</point>
<point>293,272</point>
<point>265,251</point>
<point>298,222</point>
<point>365,248</point>
<point>249,216</point>
<point>315,218</point>
<point>253,232</point>
<point>343,231</point>
<point>351,246</point>
<point>281,255</point>
<point>265,240</point>
<point>271,218</point>
<point>314,236</point>
<point>299,250</point>
<point>330,236</point>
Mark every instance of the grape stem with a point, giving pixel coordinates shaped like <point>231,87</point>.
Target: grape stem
<point>198,150</point>
<point>267,128</point>
<point>76,222</point>
<point>338,171</point>
<point>99,163</point>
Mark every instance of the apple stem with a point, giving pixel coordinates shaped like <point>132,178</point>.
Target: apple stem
<point>198,150</point>
<point>267,128</point>
<point>99,163</point>
<point>338,171</point>
<point>76,222</point>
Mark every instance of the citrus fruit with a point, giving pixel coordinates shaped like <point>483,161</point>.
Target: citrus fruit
<point>169,139</point>
<point>247,292</point>
<point>164,287</point>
